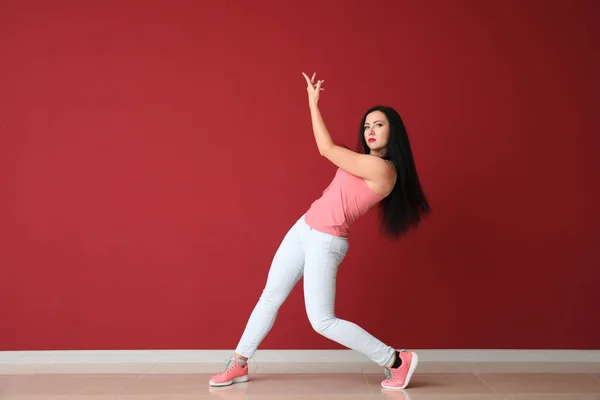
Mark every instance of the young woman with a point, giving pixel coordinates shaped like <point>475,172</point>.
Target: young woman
<point>314,247</point>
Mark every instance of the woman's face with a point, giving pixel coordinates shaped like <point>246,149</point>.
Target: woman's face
<point>377,132</point>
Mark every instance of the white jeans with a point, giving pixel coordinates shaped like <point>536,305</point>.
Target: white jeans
<point>316,255</point>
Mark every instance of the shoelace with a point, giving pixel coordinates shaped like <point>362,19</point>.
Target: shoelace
<point>388,374</point>
<point>226,367</point>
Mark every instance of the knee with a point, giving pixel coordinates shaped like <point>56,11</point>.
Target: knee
<point>321,322</point>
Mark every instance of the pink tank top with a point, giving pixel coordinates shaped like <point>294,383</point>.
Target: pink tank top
<point>345,199</point>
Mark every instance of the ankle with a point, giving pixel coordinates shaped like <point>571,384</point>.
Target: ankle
<point>240,359</point>
<point>396,361</point>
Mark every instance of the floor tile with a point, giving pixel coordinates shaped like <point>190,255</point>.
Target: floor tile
<point>322,384</point>
<point>409,395</point>
<point>310,397</point>
<point>535,367</point>
<point>542,383</point>
<point>299,381</point>
<point>438,384</point>
<point>176,384</point>
<point>170,397</point>
<point>53,385</point>
<point>234,392</point>
<point>552,396</point>
<point>57,397</point>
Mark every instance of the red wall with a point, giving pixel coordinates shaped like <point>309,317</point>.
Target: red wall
<point>154,154</point>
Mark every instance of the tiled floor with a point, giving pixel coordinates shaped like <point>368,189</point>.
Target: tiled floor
<point>300,381</point>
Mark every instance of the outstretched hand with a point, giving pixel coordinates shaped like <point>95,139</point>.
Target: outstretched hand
<point>313,89</point>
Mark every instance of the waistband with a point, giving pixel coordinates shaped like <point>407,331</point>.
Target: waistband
<point>327,234</point>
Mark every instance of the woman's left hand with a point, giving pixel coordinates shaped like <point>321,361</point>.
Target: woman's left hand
<point>313,89</point>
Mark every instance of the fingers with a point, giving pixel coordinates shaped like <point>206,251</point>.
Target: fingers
<point>308,81</point>
<point>311,82</point>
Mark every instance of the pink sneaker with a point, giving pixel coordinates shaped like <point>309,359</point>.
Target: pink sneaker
<point>398,378</point>
<point>232,373</point>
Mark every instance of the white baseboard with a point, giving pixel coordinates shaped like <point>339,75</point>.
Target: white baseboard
<point>218,356</point>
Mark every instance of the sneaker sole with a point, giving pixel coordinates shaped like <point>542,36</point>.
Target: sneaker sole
<point>240,379</point>
<point>411,371</point>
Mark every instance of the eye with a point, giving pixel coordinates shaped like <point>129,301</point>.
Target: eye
<point>380,124</point>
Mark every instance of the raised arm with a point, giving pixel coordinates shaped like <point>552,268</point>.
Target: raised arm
<point>363,165</point>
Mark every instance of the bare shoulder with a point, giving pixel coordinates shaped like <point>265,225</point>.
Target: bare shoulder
<point>385,179</point>
<point>367,166</point>
<point>384,169</point>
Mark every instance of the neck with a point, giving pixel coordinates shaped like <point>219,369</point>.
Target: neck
<point>377,153</point>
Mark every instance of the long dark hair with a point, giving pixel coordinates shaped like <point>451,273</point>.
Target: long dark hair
<point>405,206</point>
